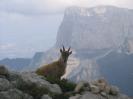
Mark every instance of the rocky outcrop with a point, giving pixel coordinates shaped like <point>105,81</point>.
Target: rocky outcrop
<point>3,70</point>
<point>89,95</point>
<point>34,82</point>
<point>98,89</point>
<point>117,68</point>
<point>46,97</point>
<point>28,85</point>
<point>25,85</point>
<point>14,94</point>
<point>4,84</point>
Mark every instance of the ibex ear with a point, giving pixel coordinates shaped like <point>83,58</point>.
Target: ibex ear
<point>70,52</point>
<point>61,50</point>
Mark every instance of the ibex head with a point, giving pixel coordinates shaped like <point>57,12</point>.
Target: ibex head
<point>65,54</point>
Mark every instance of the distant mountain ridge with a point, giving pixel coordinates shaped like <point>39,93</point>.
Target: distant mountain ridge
<point>16,64</point>
<point>35,62</point>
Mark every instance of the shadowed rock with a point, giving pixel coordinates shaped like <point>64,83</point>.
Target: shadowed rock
<point>14,94</point>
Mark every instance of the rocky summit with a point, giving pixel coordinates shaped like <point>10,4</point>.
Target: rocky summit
<point>96,28</point>
<point>28,85</point>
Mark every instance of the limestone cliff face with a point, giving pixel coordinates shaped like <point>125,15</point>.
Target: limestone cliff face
<point>101,27</point>
<point>93,33</point>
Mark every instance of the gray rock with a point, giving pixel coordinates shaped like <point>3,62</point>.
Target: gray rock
<point>100,83</point>
<point>3,70</point>
<point>114,90</point>
<point>14,94</point>
<point>77,96</point>
<point>79,86</point>
<point>107,89</point>
<point>4,84</point>
<point>36,83</point>
<point>89,95</point>
<point>82,85</point>
<point>13,76</point>
<point>120,96</point>
<point>1,76</point>
<point>104,94</point>
<point>46,97</point>
<point>101,86</point>
<point>92,96</point>
<point>94,89</point>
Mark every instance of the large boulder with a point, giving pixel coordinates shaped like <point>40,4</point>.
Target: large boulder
<point>79,86</point>
<point>36,85</point>
<point>14,94</point>
<point>4,84</point>
<point>97,89</point>
<point>13,76</point>
<point>114,90</point>
<point>3,70</point>
<point>46,97</point>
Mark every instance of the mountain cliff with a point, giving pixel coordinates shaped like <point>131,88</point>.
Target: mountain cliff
<point>102,27</point>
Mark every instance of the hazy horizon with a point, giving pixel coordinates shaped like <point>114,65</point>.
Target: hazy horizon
<point>31,26</point>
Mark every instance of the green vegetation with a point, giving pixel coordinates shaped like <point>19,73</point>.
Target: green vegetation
<point>66,86</point>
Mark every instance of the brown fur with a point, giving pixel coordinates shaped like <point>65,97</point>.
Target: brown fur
<point>57,68</point>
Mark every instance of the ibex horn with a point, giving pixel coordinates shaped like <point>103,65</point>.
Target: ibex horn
<point>63,48</point>
<point>69,49</point>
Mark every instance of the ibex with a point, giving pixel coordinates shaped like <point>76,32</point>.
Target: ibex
<point>57,68</point>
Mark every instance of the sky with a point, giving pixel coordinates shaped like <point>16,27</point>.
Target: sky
<point>29,26</point>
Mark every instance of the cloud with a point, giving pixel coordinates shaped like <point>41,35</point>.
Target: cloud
<point>12,50</point>
<point>39,6</point>
<point>119,3</point>
<point>4,47</point>
<point>54,6</point>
